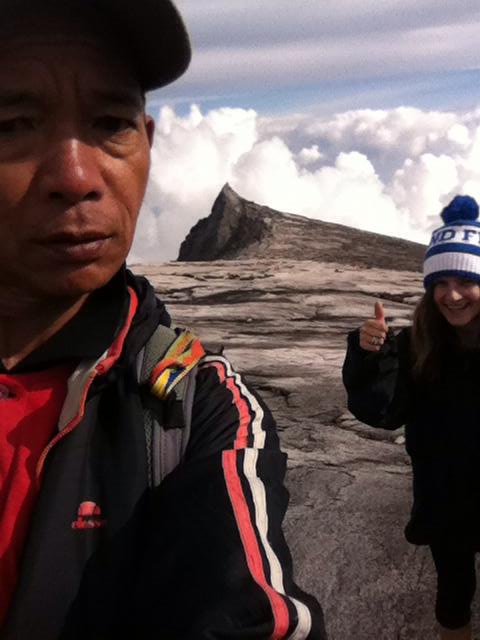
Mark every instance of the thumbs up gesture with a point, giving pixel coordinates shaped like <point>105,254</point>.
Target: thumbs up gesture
<point>373,332</point>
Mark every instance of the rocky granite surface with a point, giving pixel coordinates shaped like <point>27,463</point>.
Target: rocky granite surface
<point>237,228</point>
<point>283,324</point>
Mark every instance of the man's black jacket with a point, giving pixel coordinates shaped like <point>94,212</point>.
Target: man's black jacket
<point>202,556</point>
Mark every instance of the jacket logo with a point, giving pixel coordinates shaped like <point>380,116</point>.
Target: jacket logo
<point>89,516</point>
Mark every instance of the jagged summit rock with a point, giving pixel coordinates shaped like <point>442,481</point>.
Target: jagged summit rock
<point>240,229</point>
<point>234,229</point>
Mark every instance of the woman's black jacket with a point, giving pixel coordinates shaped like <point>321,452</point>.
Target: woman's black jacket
<point>442,430</point>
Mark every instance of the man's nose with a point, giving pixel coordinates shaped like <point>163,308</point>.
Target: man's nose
<point>71,172</point>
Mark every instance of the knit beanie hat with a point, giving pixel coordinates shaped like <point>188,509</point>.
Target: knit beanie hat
<point>454,249</point>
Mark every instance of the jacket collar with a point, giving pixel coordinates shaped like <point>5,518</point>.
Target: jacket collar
<point>87,335</point>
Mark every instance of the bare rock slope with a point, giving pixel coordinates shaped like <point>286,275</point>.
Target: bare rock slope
<point>283,323</point>
<point>237,228</point>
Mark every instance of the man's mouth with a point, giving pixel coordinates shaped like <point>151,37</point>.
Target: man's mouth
<point>86,246</point>
<point>74,237</point>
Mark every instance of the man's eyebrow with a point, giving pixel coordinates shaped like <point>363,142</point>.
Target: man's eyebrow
<point>123,98</point>
<point>18,99</point>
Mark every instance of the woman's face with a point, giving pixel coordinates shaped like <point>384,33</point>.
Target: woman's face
<point>458,300</point>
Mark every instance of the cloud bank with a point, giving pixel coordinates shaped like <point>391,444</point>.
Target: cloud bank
<point>389,171</point>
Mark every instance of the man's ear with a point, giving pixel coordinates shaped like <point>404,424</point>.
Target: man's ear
<point>150,127</point>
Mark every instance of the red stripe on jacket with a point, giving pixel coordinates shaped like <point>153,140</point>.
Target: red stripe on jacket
<point>243,408</point>
<point>250,544</point>
<point>281,617</point>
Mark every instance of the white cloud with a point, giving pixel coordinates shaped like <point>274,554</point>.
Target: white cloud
<point>249,22</point>
<point>459,135</point>
<point>309,155</point>
<point>339,57</point>
<point>421,186</point>
<point>389,171</point>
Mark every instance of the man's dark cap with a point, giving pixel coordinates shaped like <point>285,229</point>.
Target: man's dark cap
<point>153,31</point>
<point>157,35</point>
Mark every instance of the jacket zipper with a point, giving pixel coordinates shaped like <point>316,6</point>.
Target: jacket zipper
<point>70,427</point>
<point>101,368</point>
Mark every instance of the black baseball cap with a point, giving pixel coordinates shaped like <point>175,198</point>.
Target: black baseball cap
<point>153,31</point>
<point>157,36</point>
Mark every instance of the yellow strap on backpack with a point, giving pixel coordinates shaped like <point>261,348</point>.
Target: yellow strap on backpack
<point>183,354</point>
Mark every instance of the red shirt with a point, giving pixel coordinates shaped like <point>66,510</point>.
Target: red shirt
<point>30,405</point>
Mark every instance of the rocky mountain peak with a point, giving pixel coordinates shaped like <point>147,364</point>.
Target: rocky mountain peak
<point>234,227</point>
<point>240,229</point>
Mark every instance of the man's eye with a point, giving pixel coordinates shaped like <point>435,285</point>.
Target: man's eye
<point>16,125</point>
<point>114,124</point>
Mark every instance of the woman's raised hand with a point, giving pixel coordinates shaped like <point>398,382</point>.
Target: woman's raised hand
<point>373,332</point>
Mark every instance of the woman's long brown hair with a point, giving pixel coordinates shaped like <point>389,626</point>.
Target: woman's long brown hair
<point>432,337</point>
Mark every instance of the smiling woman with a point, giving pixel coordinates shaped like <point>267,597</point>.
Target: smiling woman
<point>458,300</point>
<point>427,377</point>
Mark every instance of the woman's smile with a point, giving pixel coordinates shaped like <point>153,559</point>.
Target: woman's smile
<point>458,300</point>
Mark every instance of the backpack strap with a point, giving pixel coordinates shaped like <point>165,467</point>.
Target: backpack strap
<point>167,366</point>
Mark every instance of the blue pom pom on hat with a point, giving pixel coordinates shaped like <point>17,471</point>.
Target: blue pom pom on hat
<point>460,208</point>
<point>454,249</point>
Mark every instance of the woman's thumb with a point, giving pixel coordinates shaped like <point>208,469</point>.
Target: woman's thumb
<point>379,312</point>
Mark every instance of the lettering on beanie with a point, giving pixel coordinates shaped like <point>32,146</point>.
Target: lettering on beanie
<point>454,249</point>
<point>458,234</point>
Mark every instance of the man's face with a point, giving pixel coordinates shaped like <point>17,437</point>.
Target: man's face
<point>74,161</point>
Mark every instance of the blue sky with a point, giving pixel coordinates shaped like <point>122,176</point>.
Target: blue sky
<point>279,56</point>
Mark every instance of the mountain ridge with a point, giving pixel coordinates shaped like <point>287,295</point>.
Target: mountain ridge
<point>238,229</point>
